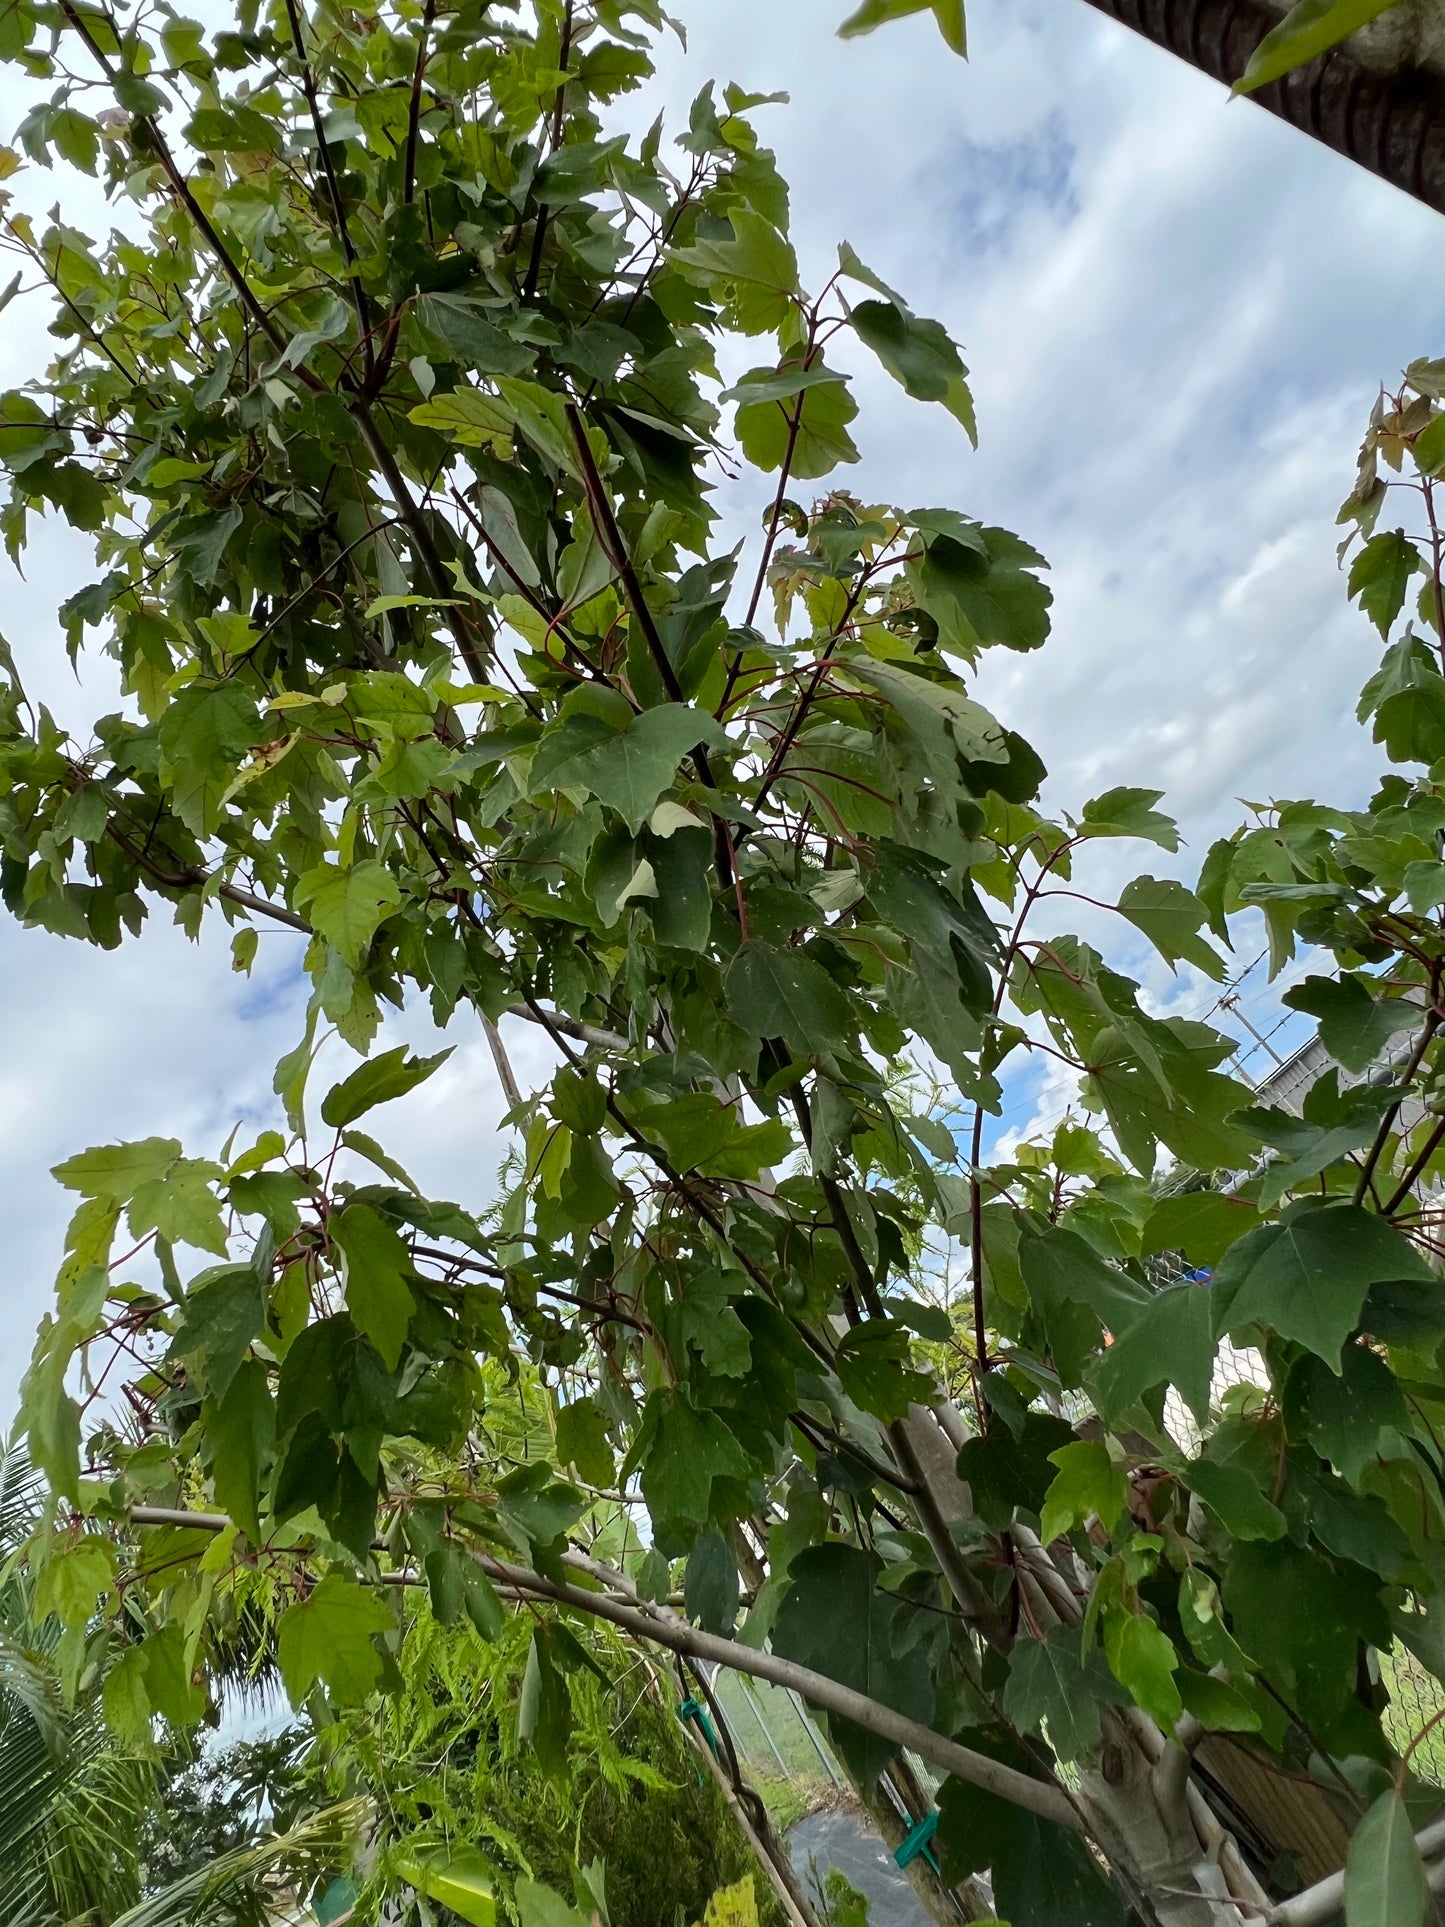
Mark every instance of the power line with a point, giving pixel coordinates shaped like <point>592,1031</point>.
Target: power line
<point>1238,1058</point>
<point>1201,1016</point>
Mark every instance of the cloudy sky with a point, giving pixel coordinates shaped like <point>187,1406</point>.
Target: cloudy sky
<point>1177,313</point>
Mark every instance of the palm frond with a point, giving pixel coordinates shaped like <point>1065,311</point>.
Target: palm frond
<point>33,1777</point>
<point>28,1684</point>
<point>21,1494</point>
<point>71,1796</point>
<point>90,1840</point>
<point>210,1895</point>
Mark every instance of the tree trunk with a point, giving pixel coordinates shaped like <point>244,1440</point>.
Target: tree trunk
<point>1162,1839</point>
<point>1142,1821</point>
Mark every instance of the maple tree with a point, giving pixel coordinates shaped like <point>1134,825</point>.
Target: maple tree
<point>396,429</point>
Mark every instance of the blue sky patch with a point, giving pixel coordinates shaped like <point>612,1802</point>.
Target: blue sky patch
<point>1000,181</point>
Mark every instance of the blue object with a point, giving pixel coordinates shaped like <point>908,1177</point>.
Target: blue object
<point>919,1842</point>
<point>693,1709</point>
<point>338,1899</point>
<point>1201,1277</point>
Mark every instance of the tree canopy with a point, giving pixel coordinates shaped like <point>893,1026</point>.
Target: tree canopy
<point>393,404</point>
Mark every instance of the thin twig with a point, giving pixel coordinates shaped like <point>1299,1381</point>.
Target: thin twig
<point>609,536</point>
<point>413,118</point>
<point>1387,1122</point>
<point>539,233</point>
<point>1417,1165</point>
<point>333,186</point>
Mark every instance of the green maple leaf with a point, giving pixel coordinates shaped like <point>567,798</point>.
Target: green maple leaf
<point>117,1171</point>
<point>1411,723</point>
<point>799,416</point>
<point>1170,917</point>
<point>1201,1224</point>
<point>1051,1877</point>
<point>329,1637</point>
<point>982,591</point>
<point>460,322</point>
<point>691,1127</point>
<point>946,724</point>
<point>1169,1341</point>
<point>1332,1122</point>
<point>1348,1412</point>
<point>378,1266</point>
<point>837,1621</point>
<point>1005,1473</point>
<point>1088,1485</point>
<point>1143,1660</point>
<point>1380,575</point>
<point>1232,1495</point>
<point>689,1449</point>
<point>757,266</point>
<point>124,1700</point>
<point>707,1320</point>
<point>1306,1278</point>
<point>1429,444</point>
<point>240,1434</point>
<point>1155,1082</point>
<point>1060,1267</point>
<point>628,769</point>
<point>181,1206</point>
<point>155,1679</point>
<point>1130,812</point>
<point>392,1074</point>
<point>49,1414</point>
<point>74,1578</point>
<point>782,993</point>
<point>469,418</point>
<point>1049,1684</point>
<point>874,1367</point>
<point>346,906</point>
<point>1355,1026</point>
<point>710,1587</point>
<point>1217,1705</point>
<point>1301,1618</point>
<point>918,354</point>
<point>541,415</point>
<point>203,736</point>
<point>223,1313</point>
<point>582,1440</point>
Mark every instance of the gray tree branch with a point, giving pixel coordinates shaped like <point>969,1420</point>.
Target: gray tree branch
<point>1041,1797</point>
